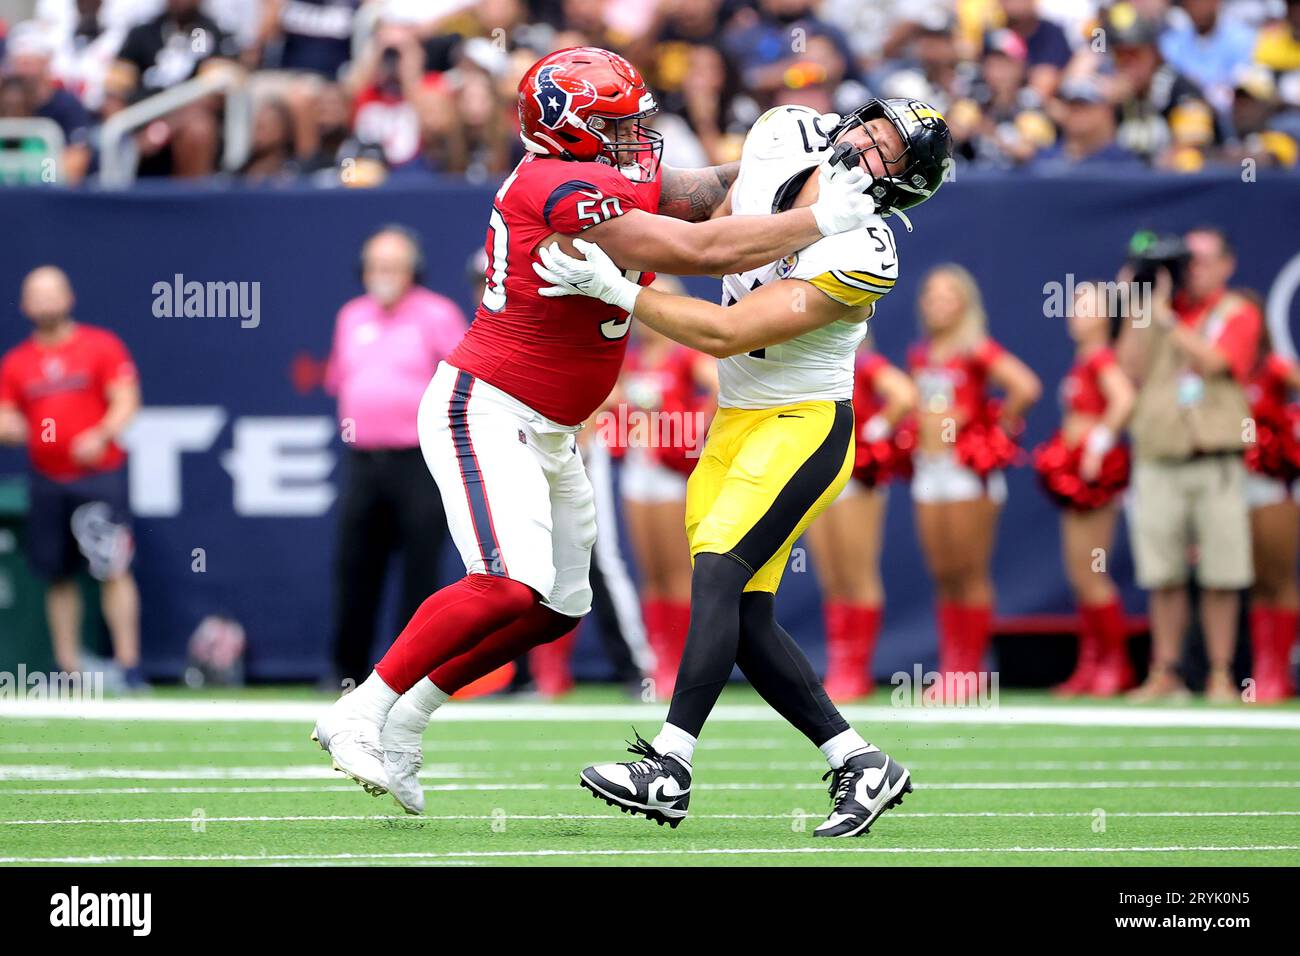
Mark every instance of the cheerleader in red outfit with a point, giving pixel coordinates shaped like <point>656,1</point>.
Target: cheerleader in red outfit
<point>669,391</point>
<point>1084,469</point>
<point>845,541</point>
<point>962,445</point>
<point>1273,463</point>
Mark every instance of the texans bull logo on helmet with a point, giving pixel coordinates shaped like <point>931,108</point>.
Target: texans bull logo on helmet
<point>555,100</point>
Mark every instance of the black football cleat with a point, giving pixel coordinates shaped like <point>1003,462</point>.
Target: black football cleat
<point>657,786</point>
<point>869,783</point>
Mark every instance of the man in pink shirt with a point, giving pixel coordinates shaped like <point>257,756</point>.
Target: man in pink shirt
<point>387,345</point>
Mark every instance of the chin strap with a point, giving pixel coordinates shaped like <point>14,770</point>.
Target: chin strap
<point>901,215</point>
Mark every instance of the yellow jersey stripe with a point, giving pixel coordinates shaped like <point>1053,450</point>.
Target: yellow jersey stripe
<point>843,292</point>
<point>849,280</point>
<point>864,276</point>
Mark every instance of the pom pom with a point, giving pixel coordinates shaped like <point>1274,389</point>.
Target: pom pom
<point>1058,471</point>
<point>984,446</point>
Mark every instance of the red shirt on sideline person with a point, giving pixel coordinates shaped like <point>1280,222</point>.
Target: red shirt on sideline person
<point>1235,333</point>
<point>61,390</point>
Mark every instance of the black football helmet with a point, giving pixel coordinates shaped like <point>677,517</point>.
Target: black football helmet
<point>927,151</point>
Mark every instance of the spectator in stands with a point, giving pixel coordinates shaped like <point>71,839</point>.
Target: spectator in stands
<point>300,45</point>
<point>442,134</point>
<point>308,36</point>
<point>1009,125</point>
<point>169,49</point>
<point>677,29</point>
<point>271,152</point>
<point>1191,351</point>
<point>1209,49</point>
<point>387,345</point>
<point>340,158</point>
<point>492,146</point>
<point>785,53</point>
<point>1164,117</point>
<point>934,72</point>
<point>69,391</point>
<point>29,51</point>
<point>1047,50</point>
<point>1257,134</point>
<point>386,83</point>
<point>587,20</point>
<point>24,155</point>
<point>881,30</point>
<point>1278,49</point>
<point>1087,123</point>
<point>707,98</point>
<point>87,39</point>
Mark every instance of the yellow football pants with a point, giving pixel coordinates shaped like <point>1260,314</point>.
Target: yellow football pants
<point>763,476</point>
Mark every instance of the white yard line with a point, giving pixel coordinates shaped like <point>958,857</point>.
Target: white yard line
<point>316,770</point>
<point>613,817</point>
<point>733,786</point>
<point>305,712</point>
<point>435,743</point>
<point>943,766</point>
<point>693,851</point>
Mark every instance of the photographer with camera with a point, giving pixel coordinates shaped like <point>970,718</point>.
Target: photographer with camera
<point>1190,344</point>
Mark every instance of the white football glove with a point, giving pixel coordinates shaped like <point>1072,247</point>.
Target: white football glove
<point>596,275</point>
<point>841,202</point>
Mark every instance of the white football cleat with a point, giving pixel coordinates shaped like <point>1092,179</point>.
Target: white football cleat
<point>352,742</point>
<point>403,757</point>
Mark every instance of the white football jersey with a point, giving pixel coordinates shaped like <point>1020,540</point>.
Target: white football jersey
<point>855,268</point>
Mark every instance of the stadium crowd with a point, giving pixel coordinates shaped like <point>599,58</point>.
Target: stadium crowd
<point>353,92</point>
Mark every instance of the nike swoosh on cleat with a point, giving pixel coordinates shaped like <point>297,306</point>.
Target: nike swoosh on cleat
<point>873,789</point>
<point>663,796</point>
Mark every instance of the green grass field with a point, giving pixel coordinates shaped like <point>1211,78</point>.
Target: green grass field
<point>1057,791</point>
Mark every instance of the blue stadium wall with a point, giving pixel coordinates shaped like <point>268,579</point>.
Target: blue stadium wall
<point>227,394</point>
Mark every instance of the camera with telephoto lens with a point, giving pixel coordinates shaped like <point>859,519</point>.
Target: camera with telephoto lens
<point>1149,252</point>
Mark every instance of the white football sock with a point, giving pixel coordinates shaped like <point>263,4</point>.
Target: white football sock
<point>418,704</point>
<point>372,700</point>
<point>675,741</point>
<point>844,745</point>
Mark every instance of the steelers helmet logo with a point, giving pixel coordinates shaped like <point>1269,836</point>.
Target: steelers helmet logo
<point>786,265</point>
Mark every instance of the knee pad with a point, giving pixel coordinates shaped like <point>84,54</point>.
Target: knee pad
<point>574,603</point>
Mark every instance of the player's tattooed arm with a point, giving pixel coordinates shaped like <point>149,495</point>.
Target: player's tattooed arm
<point>695,194</point>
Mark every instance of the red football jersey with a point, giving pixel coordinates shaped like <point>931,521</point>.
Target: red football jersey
<point>559,356</point>
<point>61,390</point>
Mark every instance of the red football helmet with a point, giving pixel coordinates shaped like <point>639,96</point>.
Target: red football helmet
<point>587,104</point>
